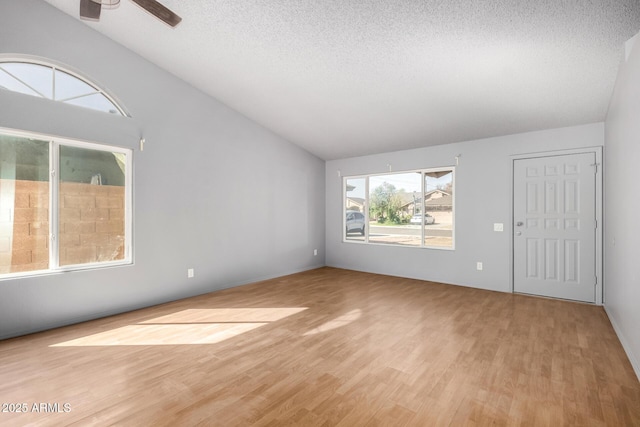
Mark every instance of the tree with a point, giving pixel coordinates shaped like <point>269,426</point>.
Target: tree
<point>384,203</point>
<point>448,187</point>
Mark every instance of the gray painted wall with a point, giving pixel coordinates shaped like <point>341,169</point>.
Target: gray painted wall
<point>482,198</point>
<point>622,199</point>
<point>213,190</point>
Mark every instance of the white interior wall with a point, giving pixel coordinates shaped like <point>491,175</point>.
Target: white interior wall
<point>482,198</point>
<point>622,202</point>
<point>213,190</point>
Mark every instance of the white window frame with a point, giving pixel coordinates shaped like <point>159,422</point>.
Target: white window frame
<point>54,186</point>
<point>423,173</point>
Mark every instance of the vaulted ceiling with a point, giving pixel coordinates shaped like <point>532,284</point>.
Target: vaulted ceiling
<point>343,78</point>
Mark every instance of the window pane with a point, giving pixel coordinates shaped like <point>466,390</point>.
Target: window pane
<point>92,206</point>
<point>96,101</point>
<point>438,187</point>
<point>68,86</point>
<point>24,201</point>
<point>392,201</point>
<point>39,77</point>
<point>10,83</point>
<point>354,203</point>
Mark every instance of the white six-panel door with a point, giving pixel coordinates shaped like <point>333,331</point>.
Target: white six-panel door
<point>554,220</point>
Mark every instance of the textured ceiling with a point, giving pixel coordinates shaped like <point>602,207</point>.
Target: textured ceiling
<point>343,78</point>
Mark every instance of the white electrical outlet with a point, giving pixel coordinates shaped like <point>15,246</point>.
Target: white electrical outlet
<point>190,273</point>
<point>498,226</point>
<point>478,266</point>
<point>315,252</point>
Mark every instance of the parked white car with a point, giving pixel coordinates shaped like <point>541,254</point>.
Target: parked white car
<point>354,222</point>
<point>417,219</point>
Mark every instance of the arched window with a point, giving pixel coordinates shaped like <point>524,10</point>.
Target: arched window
<point>66,203</point>
<point>52,82</point>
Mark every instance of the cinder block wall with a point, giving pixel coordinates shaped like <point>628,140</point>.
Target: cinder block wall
<point>91,225</point>
<point>25,226</point>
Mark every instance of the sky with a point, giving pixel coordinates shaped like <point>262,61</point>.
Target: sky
<point>409,182</point>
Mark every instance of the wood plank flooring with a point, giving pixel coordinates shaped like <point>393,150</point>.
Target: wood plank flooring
<point>328,347</point>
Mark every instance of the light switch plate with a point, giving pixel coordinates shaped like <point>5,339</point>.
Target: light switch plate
<point>498,226</point>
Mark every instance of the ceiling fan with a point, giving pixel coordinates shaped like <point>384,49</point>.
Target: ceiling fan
<point>90,9</point>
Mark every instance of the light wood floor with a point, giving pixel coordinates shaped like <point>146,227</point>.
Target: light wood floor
<point>329,347</point>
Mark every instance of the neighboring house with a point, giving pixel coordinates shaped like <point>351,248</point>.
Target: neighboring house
<point>355,204</point>
<point>407,203</point>
<point>441,203</point>
<point>436,194</point>
<point>434,200</point>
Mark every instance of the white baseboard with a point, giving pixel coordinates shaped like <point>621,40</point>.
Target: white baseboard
<point>625,344</point>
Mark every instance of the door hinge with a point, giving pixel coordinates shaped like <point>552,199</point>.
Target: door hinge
<point>596,221</point>
<point>596,277</point>
<point>53,173</point>
<point>595,167</point>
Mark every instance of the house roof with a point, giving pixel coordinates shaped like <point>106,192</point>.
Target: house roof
<point>358,200</point>
<point>445,200</point>
<point>437,190</point>
<point>440,201</point>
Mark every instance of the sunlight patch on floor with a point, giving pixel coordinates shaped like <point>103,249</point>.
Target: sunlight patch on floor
<point>338,322</point>
<point>225,315</point>
<point>191,326</point>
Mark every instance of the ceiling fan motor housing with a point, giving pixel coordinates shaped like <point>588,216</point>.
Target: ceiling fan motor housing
<point>109,4</point>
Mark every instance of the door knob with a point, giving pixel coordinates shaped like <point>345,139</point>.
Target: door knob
<point>518,233</point>
<point>519,224</point>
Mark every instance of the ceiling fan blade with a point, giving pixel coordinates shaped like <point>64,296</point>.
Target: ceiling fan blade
<point>90,10</point>
<point>159,11</point>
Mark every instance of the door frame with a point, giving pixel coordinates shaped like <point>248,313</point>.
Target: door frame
<point>597,150</point>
